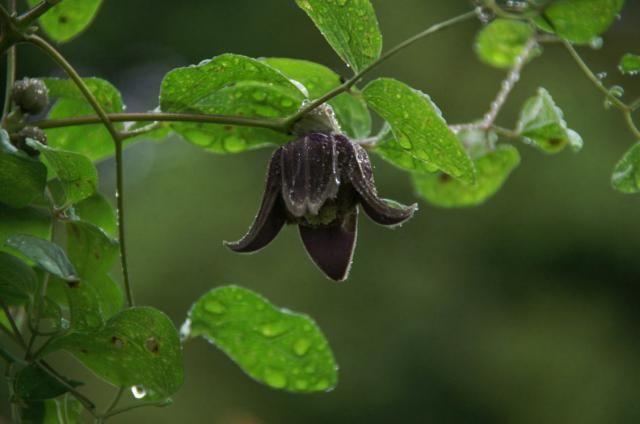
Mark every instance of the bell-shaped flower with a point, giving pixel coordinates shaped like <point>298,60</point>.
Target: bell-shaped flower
<point>317,182</point>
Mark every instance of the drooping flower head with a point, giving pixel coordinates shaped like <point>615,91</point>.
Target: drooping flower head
<point>317,182</point>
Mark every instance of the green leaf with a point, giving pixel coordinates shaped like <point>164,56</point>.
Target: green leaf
<point>493,169</point>
<point>349,26</point>
<point>77,173</point>
<point>22,179</point>
<point>97,210</point>
<point>92,140</point>
<point>50,411</point>
<point>501,42</point>
<point>138,347</point>
<point>579,21</point>
<point>418,128</point>
<point>18,282</point>
<point>95,296</point>
<point>390,150</point>
<point>32,221</point>
<point>229,85</point>
<point>32,383</point>
<point>68,18</point>
<point>49,256</point>
<point>542,124</point>
<point>626,173</point>
<point>277,347</point>
<point>630,64</point>
<point>351,111</point>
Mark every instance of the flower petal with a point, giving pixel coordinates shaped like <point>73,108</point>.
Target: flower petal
<point>331,247</point>
<point>271,216</point>
<point>379,210</point>
<point>309,173</point>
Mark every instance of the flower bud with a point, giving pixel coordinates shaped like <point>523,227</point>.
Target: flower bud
<point>19,139</point>
<point>30,95</point>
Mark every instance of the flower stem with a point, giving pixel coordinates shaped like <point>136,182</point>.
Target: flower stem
<point>117,139</point>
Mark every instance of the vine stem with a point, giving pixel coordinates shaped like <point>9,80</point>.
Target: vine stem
<point>34,13</point>
<point>14,327</point>
<point>385,56</point>
<point>274,124</point>
<point>281,125</point>
<point>88,405</point>
<point>507,85</point>
<point>117,139</point>
<point>11,73</point>
<point>616,102</point>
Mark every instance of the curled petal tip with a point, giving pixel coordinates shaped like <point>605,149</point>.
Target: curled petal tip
<point>331,247</point>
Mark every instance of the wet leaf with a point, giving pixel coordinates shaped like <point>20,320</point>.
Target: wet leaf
<point>32,221</point>
<point>48,256</point>
<point>22,179</point>
<point>18,282</point>
<point>92,140</point>
<point>390,150</point>
<point>418,128</point>
<point>542,124</point>
<point>97,210</point>
<point>50,411</point>
<point>351,111</point>
<point>68,18</point>
<point>630,64</point>
<point>500,43</point>
<point>77,174</point>
<point>579,21</point>
<point>230,85</point>
<point>95,296</point>
<point>349,26</point>
<point>33,383</point>
<point>136,347</point>
<point>277,347</point>
<point>626,173</point>
<point>492,168</point>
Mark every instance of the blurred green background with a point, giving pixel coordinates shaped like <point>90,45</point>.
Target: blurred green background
<point>523,310</point>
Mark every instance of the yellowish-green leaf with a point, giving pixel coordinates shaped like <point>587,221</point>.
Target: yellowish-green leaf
<point>493,169</point>
<point>277,347</point>
<point>349,26</point>
<point>419,129</point>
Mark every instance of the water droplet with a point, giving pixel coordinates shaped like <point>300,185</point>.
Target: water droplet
<point>616,91</point>
<point>301,346</point>
<point>301,384</point>
<point>259,95</point>
<point>273,329</point>
<point>275,378</point>
<point>323,384</point>
<point>601,75</point>
<point>596,43</point>
<point>138,391</point>
<point>286,102</point>
<point>215,307</point>
<point>403,141</point>
<point>233,144</point>
<point>185,330</point>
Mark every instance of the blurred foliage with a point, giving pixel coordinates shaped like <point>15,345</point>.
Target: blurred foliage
<point>519,311</point>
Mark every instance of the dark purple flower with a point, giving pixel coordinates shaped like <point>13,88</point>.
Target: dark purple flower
<point>317,181</point>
